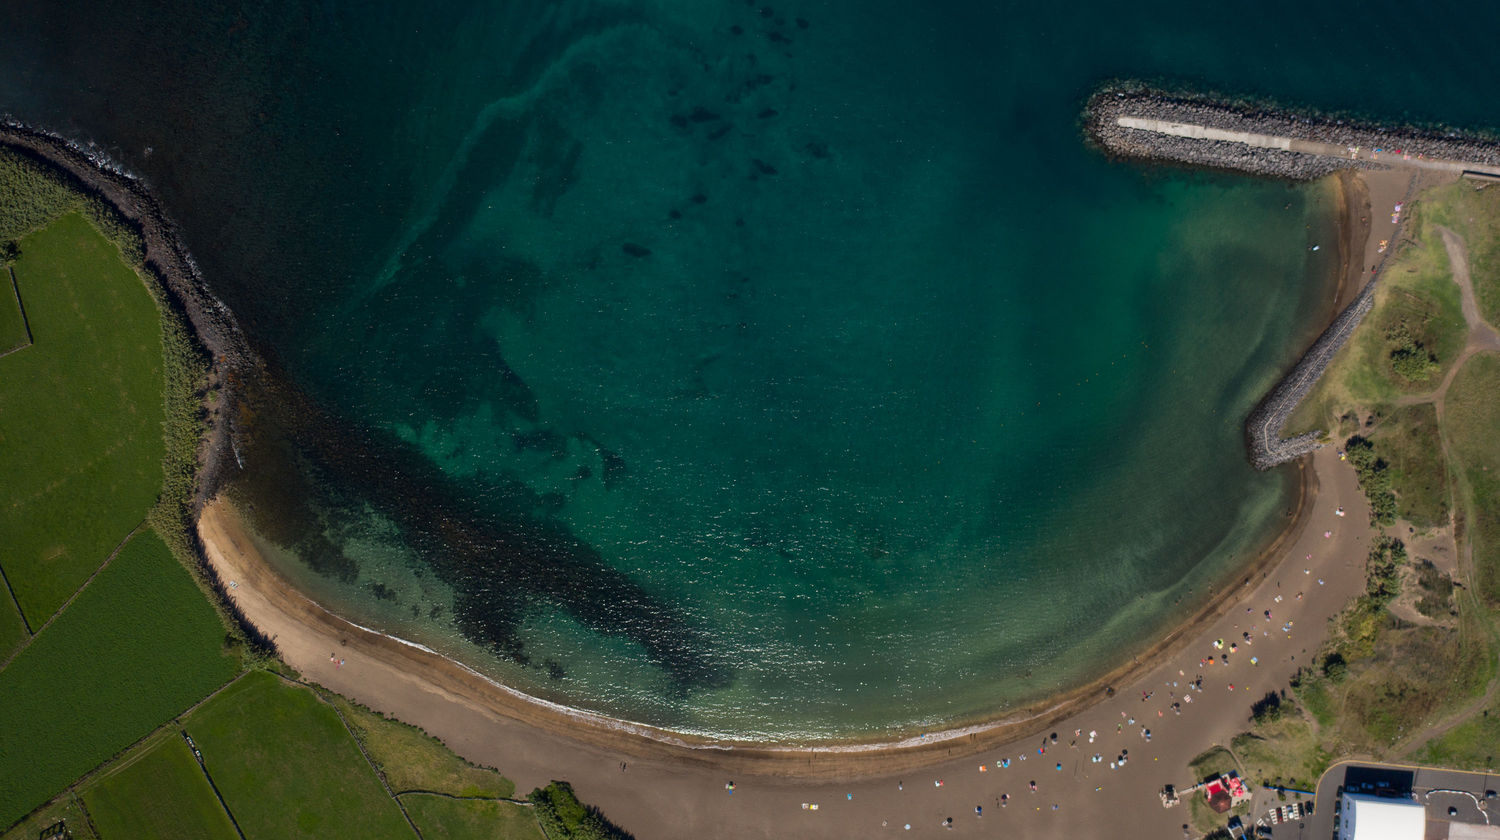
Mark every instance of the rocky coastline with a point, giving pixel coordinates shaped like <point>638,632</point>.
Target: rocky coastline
<point>169,264</point>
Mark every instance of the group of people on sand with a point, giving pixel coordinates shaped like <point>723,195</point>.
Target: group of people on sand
<point>1178,691</point>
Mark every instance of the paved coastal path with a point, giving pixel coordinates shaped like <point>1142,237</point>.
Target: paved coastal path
<point>1386,157</point>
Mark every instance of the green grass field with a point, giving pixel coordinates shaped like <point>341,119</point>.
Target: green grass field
<point>81,414</point>
<point>12,324</point>
<point>1472,419</point>
<point>471,819</point>
<point>159,792</point>
<point>288,768</point>
<point>139,646</point>
<point>413,760</point>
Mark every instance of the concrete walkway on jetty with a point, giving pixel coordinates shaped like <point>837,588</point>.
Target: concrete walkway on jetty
<point>1386,157</point>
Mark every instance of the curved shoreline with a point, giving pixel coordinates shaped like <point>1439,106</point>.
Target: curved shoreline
<point>232,554</point>
<point>172,265</point>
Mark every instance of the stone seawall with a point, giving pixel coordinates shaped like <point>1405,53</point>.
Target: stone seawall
<point>1107,106</point>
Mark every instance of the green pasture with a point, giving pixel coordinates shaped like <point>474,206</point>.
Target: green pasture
<point>158,792</point>
<point>1473,429</point>
<point>287,767</point>
<point>138,646</point>
<point>81,411</point>
<point>471,819</point>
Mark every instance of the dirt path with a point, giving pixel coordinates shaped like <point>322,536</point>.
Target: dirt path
<point>1482,337</point>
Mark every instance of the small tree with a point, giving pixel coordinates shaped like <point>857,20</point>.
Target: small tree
<point>9,252</point>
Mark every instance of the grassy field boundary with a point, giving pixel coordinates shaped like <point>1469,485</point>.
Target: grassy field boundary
<point>71,598</point>
<point>22,613</point>
<point>108,765</point>
<point>21,308</point>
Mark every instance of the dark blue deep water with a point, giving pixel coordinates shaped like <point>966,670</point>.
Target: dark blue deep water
<point>773,370</point>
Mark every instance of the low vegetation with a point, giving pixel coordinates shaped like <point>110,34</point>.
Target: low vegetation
<point>287,767</point>
<point>411,759</point>
<point>1472,420</point>
<point>471,819</point>
<point>1284,752</point>
<point>159,792</point>
<point>136,648</point>
<point>36,195</point>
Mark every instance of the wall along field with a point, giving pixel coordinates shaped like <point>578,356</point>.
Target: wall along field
<point>137,647</point>
<point>160,793</point>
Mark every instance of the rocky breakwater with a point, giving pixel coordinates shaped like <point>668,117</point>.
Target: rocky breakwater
<point>1108,106</point>
<point>1263,427</point>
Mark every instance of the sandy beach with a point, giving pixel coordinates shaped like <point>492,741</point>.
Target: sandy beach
<point>668,790</point>
<point>658,785</point>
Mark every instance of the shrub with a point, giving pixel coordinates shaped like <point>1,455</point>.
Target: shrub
<point>1410,358</point>
<point>1335,667</point>
<point>1374,478</point>
<point>563,817</point>
<point>1267,709</point>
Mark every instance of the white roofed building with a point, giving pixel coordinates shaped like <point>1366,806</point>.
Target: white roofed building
<point>1366,817</point>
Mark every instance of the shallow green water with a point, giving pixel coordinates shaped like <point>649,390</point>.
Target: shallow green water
<point>812,380</point>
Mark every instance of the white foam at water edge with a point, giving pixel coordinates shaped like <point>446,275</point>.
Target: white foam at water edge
<point>667,737</point>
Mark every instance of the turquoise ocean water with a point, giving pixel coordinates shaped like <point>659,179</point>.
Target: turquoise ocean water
<point>771,370</point>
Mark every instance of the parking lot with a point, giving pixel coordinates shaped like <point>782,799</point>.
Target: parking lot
<point>1459,804</point>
